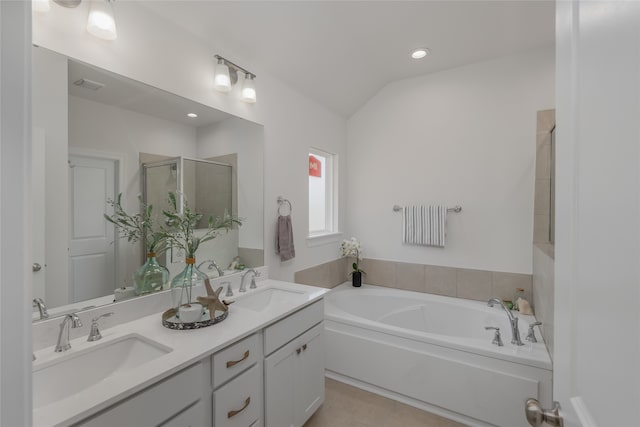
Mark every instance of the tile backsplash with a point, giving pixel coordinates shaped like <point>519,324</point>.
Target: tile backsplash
<point>449,281</point>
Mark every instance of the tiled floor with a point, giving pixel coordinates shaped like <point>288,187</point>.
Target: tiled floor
<point>347,406</point>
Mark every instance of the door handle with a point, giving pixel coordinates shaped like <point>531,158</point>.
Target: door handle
<point>536,415</point>
<point>36,267</point>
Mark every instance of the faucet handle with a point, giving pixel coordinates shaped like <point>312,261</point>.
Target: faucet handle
<point>229,292</point>
<point>497,339</point>
<point>94,334</point>
<point>531,335</point>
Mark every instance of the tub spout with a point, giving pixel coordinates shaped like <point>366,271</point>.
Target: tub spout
<point>513,321</point>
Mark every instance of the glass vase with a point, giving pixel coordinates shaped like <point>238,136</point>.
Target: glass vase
<point>182,285</point>
<point>151,277</point>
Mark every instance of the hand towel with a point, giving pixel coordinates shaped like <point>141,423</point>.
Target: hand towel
<point>284,238</point>
<point>424,225</point>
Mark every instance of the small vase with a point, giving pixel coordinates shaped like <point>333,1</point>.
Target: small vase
<point>151,277</point>
<point>183,283</point>
<point>356,278</point>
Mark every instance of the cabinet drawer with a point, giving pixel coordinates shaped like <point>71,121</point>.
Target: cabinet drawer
<point>156,404</point>
<point>277,335</point>
<point>239,403</point>
<point>235,359</point>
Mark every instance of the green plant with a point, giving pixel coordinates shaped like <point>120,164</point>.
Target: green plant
<point>181,232</point>
<point>137,227</point>
<point>352,248</point>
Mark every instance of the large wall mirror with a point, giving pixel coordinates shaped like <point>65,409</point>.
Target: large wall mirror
<point>93,134</point>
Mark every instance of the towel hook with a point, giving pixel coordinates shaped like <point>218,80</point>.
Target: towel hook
<point>281,202</point>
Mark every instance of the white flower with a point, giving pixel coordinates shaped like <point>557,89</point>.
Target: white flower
<point>351,248</point>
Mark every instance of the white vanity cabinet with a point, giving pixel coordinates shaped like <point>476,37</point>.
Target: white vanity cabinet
<point>175,398</point>
<point>294,373</point>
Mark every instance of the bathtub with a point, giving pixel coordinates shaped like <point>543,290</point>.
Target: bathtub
<point>433,352</point>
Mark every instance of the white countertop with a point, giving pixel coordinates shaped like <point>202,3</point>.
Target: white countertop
<point>188,346</point>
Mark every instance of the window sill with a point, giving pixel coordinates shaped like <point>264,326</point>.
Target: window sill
<point>323,239</point>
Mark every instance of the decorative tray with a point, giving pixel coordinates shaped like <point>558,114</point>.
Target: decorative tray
<point>174,322</point>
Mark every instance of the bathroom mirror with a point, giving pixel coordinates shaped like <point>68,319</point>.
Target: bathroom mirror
<point>92,131</point>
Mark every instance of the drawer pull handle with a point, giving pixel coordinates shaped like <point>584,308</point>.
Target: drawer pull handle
<point>232,363</point>
<point>298,351</point>
<point>304,347</point>
<point>232,414</point>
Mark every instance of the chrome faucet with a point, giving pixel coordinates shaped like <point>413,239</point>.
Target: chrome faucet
<point>211,266</point>
<point>42,308</point>
<point>70,321</point>
<point>243,287</point>
<point>94,334</point>
<point>515,333</point>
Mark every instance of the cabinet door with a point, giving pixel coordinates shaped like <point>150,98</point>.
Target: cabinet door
<point>279,387</point>
<point>190,417</point>
<point>310,375</point>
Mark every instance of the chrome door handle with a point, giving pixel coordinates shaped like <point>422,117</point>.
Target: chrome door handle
<point>536,415</point>
<point>36,267</point>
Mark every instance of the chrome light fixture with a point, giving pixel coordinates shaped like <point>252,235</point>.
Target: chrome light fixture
<point>226,75</point>
<point>101,22</point>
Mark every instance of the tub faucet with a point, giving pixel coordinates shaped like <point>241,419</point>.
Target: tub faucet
<point>211,266</point>
<point>515,333</point>
<point>243,287</point>
<point>70,321</point>
<point>42,308</point>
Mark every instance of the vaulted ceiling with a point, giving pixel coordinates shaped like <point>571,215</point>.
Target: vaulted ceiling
<point>341,53</point>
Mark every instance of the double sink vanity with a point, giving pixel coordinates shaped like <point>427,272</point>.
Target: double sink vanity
<point>262,366</point>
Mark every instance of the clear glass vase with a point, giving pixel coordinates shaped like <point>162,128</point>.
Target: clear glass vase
<point>151,277</point>
<point>183,283</point>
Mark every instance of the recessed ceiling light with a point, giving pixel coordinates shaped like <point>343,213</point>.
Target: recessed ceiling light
<point>420,53</point>
<point>192,115</point>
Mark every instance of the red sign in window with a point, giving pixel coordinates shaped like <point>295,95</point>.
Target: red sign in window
<point>315,167</point>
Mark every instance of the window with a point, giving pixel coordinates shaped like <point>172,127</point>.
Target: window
<point>322,201</point>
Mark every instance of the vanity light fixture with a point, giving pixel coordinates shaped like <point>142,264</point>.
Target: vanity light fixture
<point>101,22</point>
<point>249,89</point>
<point>420,53</point>
<point>226,75</point>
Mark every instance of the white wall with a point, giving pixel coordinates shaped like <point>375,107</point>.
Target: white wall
<point>465,137</point>
<point>156,52</point>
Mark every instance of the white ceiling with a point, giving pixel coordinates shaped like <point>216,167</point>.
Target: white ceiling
<point>341,53</point>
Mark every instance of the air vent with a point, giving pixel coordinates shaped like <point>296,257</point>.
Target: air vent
<point>88,84</point>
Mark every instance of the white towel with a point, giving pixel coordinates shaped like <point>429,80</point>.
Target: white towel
<point>424,225</point>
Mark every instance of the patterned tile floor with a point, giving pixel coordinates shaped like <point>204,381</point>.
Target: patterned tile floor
<point>347,406</point>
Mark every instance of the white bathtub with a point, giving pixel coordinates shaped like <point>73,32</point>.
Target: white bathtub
<point>433,352</point>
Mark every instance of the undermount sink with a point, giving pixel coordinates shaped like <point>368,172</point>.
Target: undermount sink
<point>69,375</point>
<point>262,299</point>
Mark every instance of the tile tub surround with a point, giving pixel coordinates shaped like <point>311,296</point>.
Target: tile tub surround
<point>432,279</point>
<point>543,293</point>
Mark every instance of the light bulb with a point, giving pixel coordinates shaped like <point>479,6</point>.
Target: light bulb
<point>222,81</point>
<point>41,5</point>
<point>249,89</point>
<point>101,22</point>
<point>420,53</point>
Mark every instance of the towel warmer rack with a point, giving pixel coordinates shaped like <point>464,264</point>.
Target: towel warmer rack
<point>455,209</point>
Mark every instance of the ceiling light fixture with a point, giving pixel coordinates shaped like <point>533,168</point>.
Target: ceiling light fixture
<point>420,53</point>
<point>226,75</point>
<point>192,115</point>
<point>101,22</point>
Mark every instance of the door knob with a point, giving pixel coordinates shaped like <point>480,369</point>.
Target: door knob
<point>536,415</point>
<point>36,267</point>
